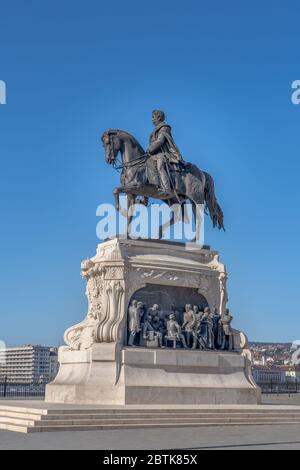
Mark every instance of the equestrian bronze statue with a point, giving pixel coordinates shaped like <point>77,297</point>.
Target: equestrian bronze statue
<point>160,172</point>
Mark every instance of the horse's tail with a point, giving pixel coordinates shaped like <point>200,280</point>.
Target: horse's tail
<point>215,211</point>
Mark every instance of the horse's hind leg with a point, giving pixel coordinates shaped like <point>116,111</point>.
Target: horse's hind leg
<point>163,227</point>
<point>176,215</point>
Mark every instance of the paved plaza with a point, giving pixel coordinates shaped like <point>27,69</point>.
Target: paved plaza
<point>281,437</point>
<point>213,438</point>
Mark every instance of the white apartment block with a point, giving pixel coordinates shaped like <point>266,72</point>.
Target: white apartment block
<point>28,364</point>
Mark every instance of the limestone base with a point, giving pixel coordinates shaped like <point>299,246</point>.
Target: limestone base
<point>103,375</point>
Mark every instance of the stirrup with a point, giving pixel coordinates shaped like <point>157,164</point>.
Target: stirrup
<point>168,193</point>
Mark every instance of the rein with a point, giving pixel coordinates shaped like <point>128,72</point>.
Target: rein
<point>120,165</point>
<point>136,162</point>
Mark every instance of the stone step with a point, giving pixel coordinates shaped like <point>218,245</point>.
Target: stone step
<point>36,417</point>
<point>146,417</point>
<point>34,429</point>
<point>68,418</point>
<point>172,421</point>
<point>140,421</point>
<point>169,411</point>
<point>20,409</point>
<point>173,416</point>
<point>16,428</point>
<point>147,411</point>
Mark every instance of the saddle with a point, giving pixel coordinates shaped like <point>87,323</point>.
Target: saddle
<point>176,170</point>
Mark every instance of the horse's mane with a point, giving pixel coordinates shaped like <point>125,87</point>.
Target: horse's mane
<point>126,134</point>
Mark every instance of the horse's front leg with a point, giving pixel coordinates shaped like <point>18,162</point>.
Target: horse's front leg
<point>130,205</point>
<point>128,211</point>
<point>116,193</point>
<point>123,189</point>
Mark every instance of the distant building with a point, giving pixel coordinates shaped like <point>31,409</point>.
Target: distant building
<point>290,373</point>
<point>276,374</point>
<point>28,364</point>
<point>54,364</point>
<point>264,374</point>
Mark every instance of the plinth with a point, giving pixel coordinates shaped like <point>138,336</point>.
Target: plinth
<point>97,366</point>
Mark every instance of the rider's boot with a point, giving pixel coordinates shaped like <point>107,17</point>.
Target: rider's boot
<point>165,189</point>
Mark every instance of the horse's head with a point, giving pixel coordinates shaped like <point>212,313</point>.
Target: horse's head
<point>112,145</point>
<point>115,141</point>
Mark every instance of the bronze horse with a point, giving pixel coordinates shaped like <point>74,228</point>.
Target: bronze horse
<point>189,184</point>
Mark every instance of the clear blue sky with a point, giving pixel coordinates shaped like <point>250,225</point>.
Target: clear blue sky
<point>222,70</point>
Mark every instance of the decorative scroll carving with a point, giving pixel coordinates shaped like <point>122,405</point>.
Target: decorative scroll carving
<point>94,275</point>
<point>154,274</point>
<point>114,272</point>
<point>82,335</point>
<point>105,298</point>
<point>184,279</point>
<point>112,312</point>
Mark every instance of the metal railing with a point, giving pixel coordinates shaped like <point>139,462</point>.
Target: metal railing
<point>21,390</point>
<point>28,390</point>
<point>279,388</point>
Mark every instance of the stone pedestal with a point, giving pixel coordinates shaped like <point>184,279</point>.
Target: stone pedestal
<point>152,376</point>
<point>96,366</point>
